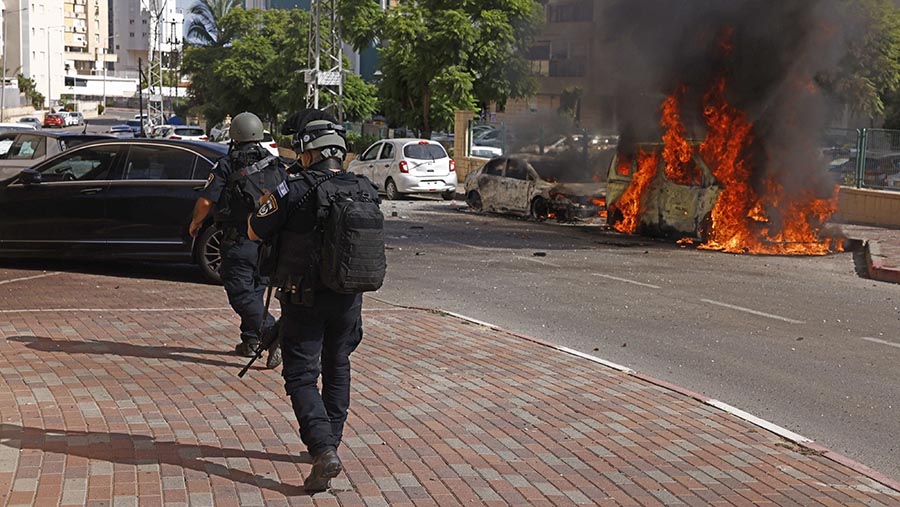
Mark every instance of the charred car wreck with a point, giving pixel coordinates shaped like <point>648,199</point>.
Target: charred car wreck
<point>513,185</point>
<point>644,200</point>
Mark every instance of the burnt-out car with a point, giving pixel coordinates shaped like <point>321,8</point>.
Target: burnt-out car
<point>514,186</point>
<point>666,208</point>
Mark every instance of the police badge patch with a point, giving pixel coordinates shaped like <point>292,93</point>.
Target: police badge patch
<point>209,181</point>
<point>268,207</point>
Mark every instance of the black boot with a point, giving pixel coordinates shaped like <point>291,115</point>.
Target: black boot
<point>326,466</point>
<point>274,357</point>
<point>246,349</point>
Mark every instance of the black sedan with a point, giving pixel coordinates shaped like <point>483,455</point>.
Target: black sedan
<point>128,199</point>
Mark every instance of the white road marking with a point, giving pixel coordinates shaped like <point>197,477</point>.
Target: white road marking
<point>475,247</point>
<point>2,282</point>
<point>883,342</point>
<point>754,312</point>
<point>778,430</point>
<point>627,281</point>
<point>539,261</point>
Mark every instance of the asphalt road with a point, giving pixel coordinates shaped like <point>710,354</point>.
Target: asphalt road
<point>803,342</point>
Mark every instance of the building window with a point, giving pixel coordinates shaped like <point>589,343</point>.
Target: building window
<point>572,12</point>
<point>131,34</point>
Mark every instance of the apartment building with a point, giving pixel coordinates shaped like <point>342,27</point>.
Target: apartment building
<point>34,40</point>
<point>132,34</point>
<point>561,61</point>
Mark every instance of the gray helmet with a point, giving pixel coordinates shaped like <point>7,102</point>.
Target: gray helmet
<point>246,127</point>
<point>322,135</point>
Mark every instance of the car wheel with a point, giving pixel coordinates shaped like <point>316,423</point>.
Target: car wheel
<point>539,208</point>
<point>390,190</point>
<point>209,253</point>
<point>473,199</point>
<point>448,195</point>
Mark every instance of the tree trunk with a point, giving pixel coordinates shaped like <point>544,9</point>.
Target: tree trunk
<point>426,114</point>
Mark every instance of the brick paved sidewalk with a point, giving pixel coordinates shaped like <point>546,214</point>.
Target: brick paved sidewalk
<point>113,394</point>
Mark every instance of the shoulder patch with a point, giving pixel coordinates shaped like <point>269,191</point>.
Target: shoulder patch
<point>282,189</point>
<point>209,180</point>
<point>268,207</point>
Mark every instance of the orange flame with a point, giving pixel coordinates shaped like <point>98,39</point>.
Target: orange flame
<point>630,202</point>
<point>761,219</point>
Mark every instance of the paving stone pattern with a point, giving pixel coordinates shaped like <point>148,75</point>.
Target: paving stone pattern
<point>107,406</point>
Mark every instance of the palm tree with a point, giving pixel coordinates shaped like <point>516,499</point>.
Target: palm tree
<point>206,27</point>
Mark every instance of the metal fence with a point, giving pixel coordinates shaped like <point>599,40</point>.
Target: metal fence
<point>873,162</point>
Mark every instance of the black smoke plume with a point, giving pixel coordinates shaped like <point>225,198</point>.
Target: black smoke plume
<point>770,52</point>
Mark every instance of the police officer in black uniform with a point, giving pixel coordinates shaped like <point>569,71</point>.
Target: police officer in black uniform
<point>240,274</point>
<point>319,328</point>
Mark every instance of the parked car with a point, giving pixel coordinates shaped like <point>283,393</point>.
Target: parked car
<point>512,185</point>
<point>74,118</point>
<point>187,133</point>
<point>882,169</point>
<point>23,149</point>
<point>135,126</point>
<point>30,120</point>
<point>54,120</point>
<point>220,135</point>
<point>113,199</point>
<point>408,166</point>
<point>485,151</point>
<point>668,208</point>
<point>121,131</point>
<point>16,127</point>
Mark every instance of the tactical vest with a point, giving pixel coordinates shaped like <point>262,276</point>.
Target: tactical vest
<point>253,171</point>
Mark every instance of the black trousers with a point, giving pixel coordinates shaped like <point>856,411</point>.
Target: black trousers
<point>244,285</point>
<point>319,340</point>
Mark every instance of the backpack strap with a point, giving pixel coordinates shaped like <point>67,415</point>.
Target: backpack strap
<point>251,169</point>
<point>314,185</point>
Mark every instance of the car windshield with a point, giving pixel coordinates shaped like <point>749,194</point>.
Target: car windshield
<point>267,137</point>
<point>188,131</point>
<point>133,123</point>
<point>426,151</point>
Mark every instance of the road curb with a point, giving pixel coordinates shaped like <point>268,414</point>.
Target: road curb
<point>797,439</point>
<point>875,264</point>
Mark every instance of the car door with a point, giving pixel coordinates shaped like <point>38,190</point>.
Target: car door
<point>150,204</point>
<point>518,182</point>
<point>384,163</point>
<point>490,185</point>
<point>365,165</point>
<point>65,211</point>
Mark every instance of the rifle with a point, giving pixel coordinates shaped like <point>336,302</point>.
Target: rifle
<point>267,339</point>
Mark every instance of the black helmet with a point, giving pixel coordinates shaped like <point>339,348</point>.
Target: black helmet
<point>314,129</point>
<point>246,127</point>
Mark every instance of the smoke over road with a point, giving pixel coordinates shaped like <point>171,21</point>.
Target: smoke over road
<point>769,51</point>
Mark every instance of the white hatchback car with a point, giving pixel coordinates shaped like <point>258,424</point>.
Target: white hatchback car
<point>183,132</point>
<point>408,166</point>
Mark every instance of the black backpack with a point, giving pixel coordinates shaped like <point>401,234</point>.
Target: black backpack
<point>351,234</point>
<point>254,180</point>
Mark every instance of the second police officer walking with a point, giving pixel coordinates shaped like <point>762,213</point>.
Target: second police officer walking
<point>235,186</point>
<point>329,234</point>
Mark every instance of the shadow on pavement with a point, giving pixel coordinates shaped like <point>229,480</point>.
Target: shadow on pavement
<point>182,354</point>
<point>149,271</point>
<point>142,450</point>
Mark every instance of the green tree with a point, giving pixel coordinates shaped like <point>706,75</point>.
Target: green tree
<point>260,68</point>
<point>206,27</point>
<point>868,75</point>
<point>28,87</point>
<point>439,56</point>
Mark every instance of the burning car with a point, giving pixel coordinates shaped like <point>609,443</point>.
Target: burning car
<point>661,206</point>
<point>512,185</point>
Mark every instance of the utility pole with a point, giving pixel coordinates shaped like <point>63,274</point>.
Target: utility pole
<point>325,77</point>
<point>141,95</point>
<point>155,103</point>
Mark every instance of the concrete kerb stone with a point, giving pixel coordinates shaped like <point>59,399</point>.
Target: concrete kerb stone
<point>786,434</point>
<point>875,264</point>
